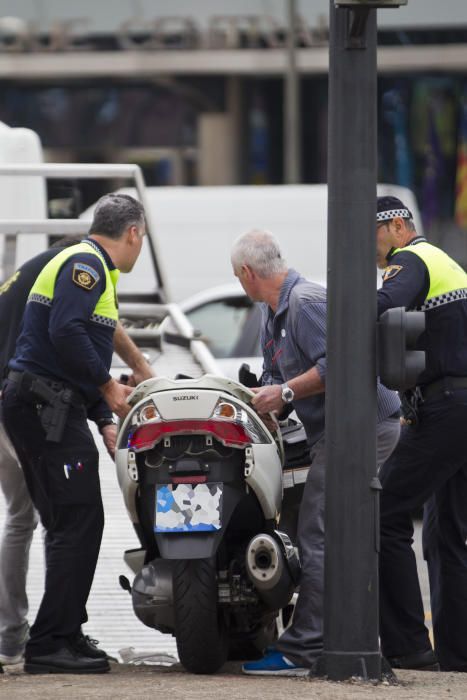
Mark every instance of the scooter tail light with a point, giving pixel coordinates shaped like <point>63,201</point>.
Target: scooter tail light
<point>146,413</point>
<point>230,411</point>
<point>147,435</point>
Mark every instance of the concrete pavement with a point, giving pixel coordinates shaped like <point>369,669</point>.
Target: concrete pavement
<point>137,683</point>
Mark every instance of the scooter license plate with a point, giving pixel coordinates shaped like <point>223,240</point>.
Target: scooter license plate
<point>188,507</point>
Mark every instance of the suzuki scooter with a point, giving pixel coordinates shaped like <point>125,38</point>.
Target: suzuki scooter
<point>201,476</point>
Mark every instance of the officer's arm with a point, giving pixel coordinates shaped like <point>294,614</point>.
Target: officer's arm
<point>72,308</point>
<point>406,282</point>
<point>99,412</point>
<point>132,355</point>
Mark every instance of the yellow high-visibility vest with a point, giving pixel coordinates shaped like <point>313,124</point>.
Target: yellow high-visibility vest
<point>43,289</point>
<point>448,281</point>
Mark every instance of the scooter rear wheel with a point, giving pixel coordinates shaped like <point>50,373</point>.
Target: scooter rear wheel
<point>200,630</point>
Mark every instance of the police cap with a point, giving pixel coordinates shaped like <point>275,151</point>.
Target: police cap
<point>387,208</point>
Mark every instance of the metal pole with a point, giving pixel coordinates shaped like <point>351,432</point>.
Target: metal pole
<point>292,121</point>
<point>351,644</point>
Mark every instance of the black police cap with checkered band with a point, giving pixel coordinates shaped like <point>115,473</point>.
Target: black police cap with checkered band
<point>388,208</point>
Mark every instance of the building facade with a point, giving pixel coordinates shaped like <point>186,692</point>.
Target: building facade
<point>195,92</point>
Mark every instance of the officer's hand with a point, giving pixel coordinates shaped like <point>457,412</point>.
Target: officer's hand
<point>267,398</point>
<point>109,436</point>
<point>137,378</point>
<point>116,396</point>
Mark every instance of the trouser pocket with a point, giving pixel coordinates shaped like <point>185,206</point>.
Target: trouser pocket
<point>72,476</point>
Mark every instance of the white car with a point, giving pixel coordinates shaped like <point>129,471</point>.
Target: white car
<point>229,323</point>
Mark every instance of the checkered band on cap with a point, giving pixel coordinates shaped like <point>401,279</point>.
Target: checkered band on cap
<point>392,213</point>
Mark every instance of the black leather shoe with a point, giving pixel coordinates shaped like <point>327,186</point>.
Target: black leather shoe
<point>85,646</point>
<point>419,661</point>
<point>65,660</point>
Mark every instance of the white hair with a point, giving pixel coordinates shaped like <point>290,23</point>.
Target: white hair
<point>260,251</point>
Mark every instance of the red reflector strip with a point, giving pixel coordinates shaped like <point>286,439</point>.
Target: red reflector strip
<point>188,479</point>
<point>146,436</point>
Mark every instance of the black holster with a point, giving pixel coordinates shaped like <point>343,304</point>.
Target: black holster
<point>410,403</point>
<point>52,398</point>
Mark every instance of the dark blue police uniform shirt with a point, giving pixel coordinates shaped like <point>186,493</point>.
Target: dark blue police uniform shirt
<point>61,341</point>
<point>445,337</point>
<point>14,294</point>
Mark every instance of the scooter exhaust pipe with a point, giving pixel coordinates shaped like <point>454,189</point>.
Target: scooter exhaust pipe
<point>264,562</point>
<point>273,568</point>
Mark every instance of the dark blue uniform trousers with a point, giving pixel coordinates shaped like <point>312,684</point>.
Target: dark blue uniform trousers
<point>429,466</point>
<point>63,481</point>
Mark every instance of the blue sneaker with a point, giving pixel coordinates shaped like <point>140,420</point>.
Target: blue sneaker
<point>274,664</point>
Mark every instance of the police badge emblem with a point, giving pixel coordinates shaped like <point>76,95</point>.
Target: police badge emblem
<point>391,272</point>
<point>85,276</point>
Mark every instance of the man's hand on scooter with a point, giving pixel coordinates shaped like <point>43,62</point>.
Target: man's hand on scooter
<point>267,398</point>
<point>271,424</point>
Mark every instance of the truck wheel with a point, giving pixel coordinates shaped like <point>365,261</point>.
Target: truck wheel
<point>200,629</point>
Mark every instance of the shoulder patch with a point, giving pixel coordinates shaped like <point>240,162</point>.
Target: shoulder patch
<point>391,272</point>
<point>85,276</point>
<point>10,281</point>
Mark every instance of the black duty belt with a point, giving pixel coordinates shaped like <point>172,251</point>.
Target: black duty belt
<point>443,387</point>
<point>15,376</point>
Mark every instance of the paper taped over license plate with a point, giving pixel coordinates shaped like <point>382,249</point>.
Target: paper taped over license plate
<point>188,507</point>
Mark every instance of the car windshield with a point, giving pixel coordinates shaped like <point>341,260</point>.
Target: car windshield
<point>229,326</point>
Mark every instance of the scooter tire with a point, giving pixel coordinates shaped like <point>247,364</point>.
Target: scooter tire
<point>200,630</point>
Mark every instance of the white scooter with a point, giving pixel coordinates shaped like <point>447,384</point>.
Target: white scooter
<point>201,477</point>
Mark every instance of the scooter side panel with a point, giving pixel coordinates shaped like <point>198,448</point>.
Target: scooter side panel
<point>265,478</point>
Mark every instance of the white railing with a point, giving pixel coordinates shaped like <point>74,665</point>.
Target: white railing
<point>64,227</point>
<point>78,226</point>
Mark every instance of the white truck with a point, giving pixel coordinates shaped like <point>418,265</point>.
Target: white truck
<point>195,227</point>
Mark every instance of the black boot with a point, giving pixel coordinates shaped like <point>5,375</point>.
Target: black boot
<point>65,660</point>
<point>84,645</point>
<point>419,661</point>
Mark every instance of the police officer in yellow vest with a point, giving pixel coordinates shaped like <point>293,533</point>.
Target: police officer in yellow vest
<point>59,376</point>
<point>429,466</point>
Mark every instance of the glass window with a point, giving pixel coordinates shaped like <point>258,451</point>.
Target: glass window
<point>222,323</point>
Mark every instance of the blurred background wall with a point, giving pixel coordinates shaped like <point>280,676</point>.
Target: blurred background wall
<point>194,91</point>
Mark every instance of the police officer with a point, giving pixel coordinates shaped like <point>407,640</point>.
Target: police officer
<point>429,466</point>
<point>21,517</point>
<point>58,376</point>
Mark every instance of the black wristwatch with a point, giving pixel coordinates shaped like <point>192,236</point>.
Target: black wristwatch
<point>103,422</point>
<point>287,394</point>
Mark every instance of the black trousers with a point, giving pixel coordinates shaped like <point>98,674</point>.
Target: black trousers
<point>63,481</point>
<point>429,466</point>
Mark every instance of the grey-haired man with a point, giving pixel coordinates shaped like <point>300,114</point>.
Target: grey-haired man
<point>294,372</point>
